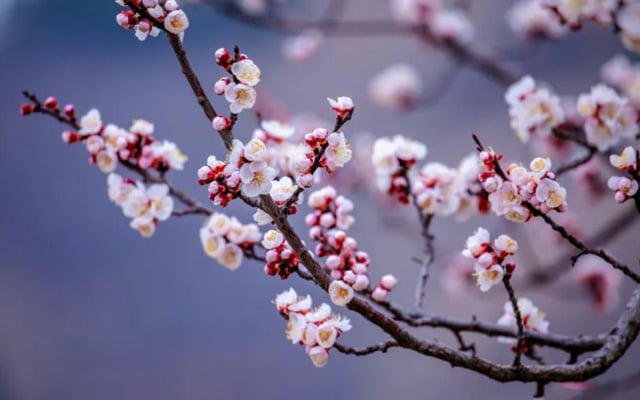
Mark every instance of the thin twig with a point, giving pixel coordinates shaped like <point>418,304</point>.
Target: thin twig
<point>380,347</point>
<point>518,315</point>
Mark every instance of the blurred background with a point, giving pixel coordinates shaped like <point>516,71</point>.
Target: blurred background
<point>90,310</point>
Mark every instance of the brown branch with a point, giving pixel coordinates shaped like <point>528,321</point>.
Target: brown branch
<point>576,163</point>
<point>193,207</point>
<point>187,71</point>
<point>518,315</point>
<point>380,347</point>
<point>543,275</point>
<point>616,343</point>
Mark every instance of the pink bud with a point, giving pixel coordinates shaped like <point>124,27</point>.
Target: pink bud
<point>359,269</point>
<point>327,220</point>
<point>336,274</point>
<point>150,3</point>
<point>305,180</point>
<point>70,137</point>
<point>379,294</point>
<point>388,282</point>
<point>220,123</point>
<point>286,254</point>
<point>272,256</point>
<point>350,244</point>
<point>70,111</point>
<point>362,282</point>
<point>223,58</point>
<point>221,86</point>
<point>333,262</point>
<point>26,109</point>
<point>350,277</point>
<point>171,5</point>
<point>620,197</point>
<point>51,103</point>
<point>311,220</point>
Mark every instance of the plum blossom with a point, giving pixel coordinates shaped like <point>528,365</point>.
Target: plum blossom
<point>573,12</point>
<point>176,22</point>
<point>340,293</point>
<point>490,266</point>
<point>392,159</point>
<point>453,25</point>
<point>246,71</point>
<point>281,259</point>
<point>330,218</point>
<point>609,117</point>
<point>398,87</point>
<point>414,12</point>
<point>626,161</point>
<point>533,111</point>
<point>533,319</point>
<point>530,18</point>
<point>256,178</point>
<point>240,96</point>
<point>628,20</point>
<point>387,284</point>
<point>338,151</point>
<point>624,76</point>
<point>146,206</point>
<point>225,239</point>
<point>276,130</point>
<point>302,47</point>
<point>343,106</point>
<point>517,188</point>
<point>316,329</point>
<point>90,123</point>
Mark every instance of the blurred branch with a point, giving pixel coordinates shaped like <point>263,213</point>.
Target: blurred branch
<point>333,26</point>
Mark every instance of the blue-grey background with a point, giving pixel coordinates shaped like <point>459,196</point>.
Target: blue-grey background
<point>90,310</point>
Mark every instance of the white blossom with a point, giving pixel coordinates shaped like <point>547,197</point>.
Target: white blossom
<point>246,71</point>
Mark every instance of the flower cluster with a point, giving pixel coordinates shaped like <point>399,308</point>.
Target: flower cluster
<point>165,15</point>
<point>628,20</point>
<point>624,14</point>
<point>393,159</point>
<point>600,280</point>
<point>316,329</point>
<point>333,147</point>
<point>109,144</point>
<point>146,206</point>
<point>533,111</point>
<point>247,171</point>
<point>531,19</point>
<point>623,76</point>
<point>533,319</point>
<point>330,218</point>
<point>490,266</point>
<point>281,259</point>
<point>573,13</point>
<point>239,91</point>
<point>445,23</point>
<point>445,191</point>
<point>625,187</point>
<point>226,239</point>
<point>398,87</point>
<point>510,191</point>
<point>609,117</point>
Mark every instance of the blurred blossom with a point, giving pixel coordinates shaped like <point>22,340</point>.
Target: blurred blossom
<point>397,87</point>
<point>302,47</point>
<point>601,281</point>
